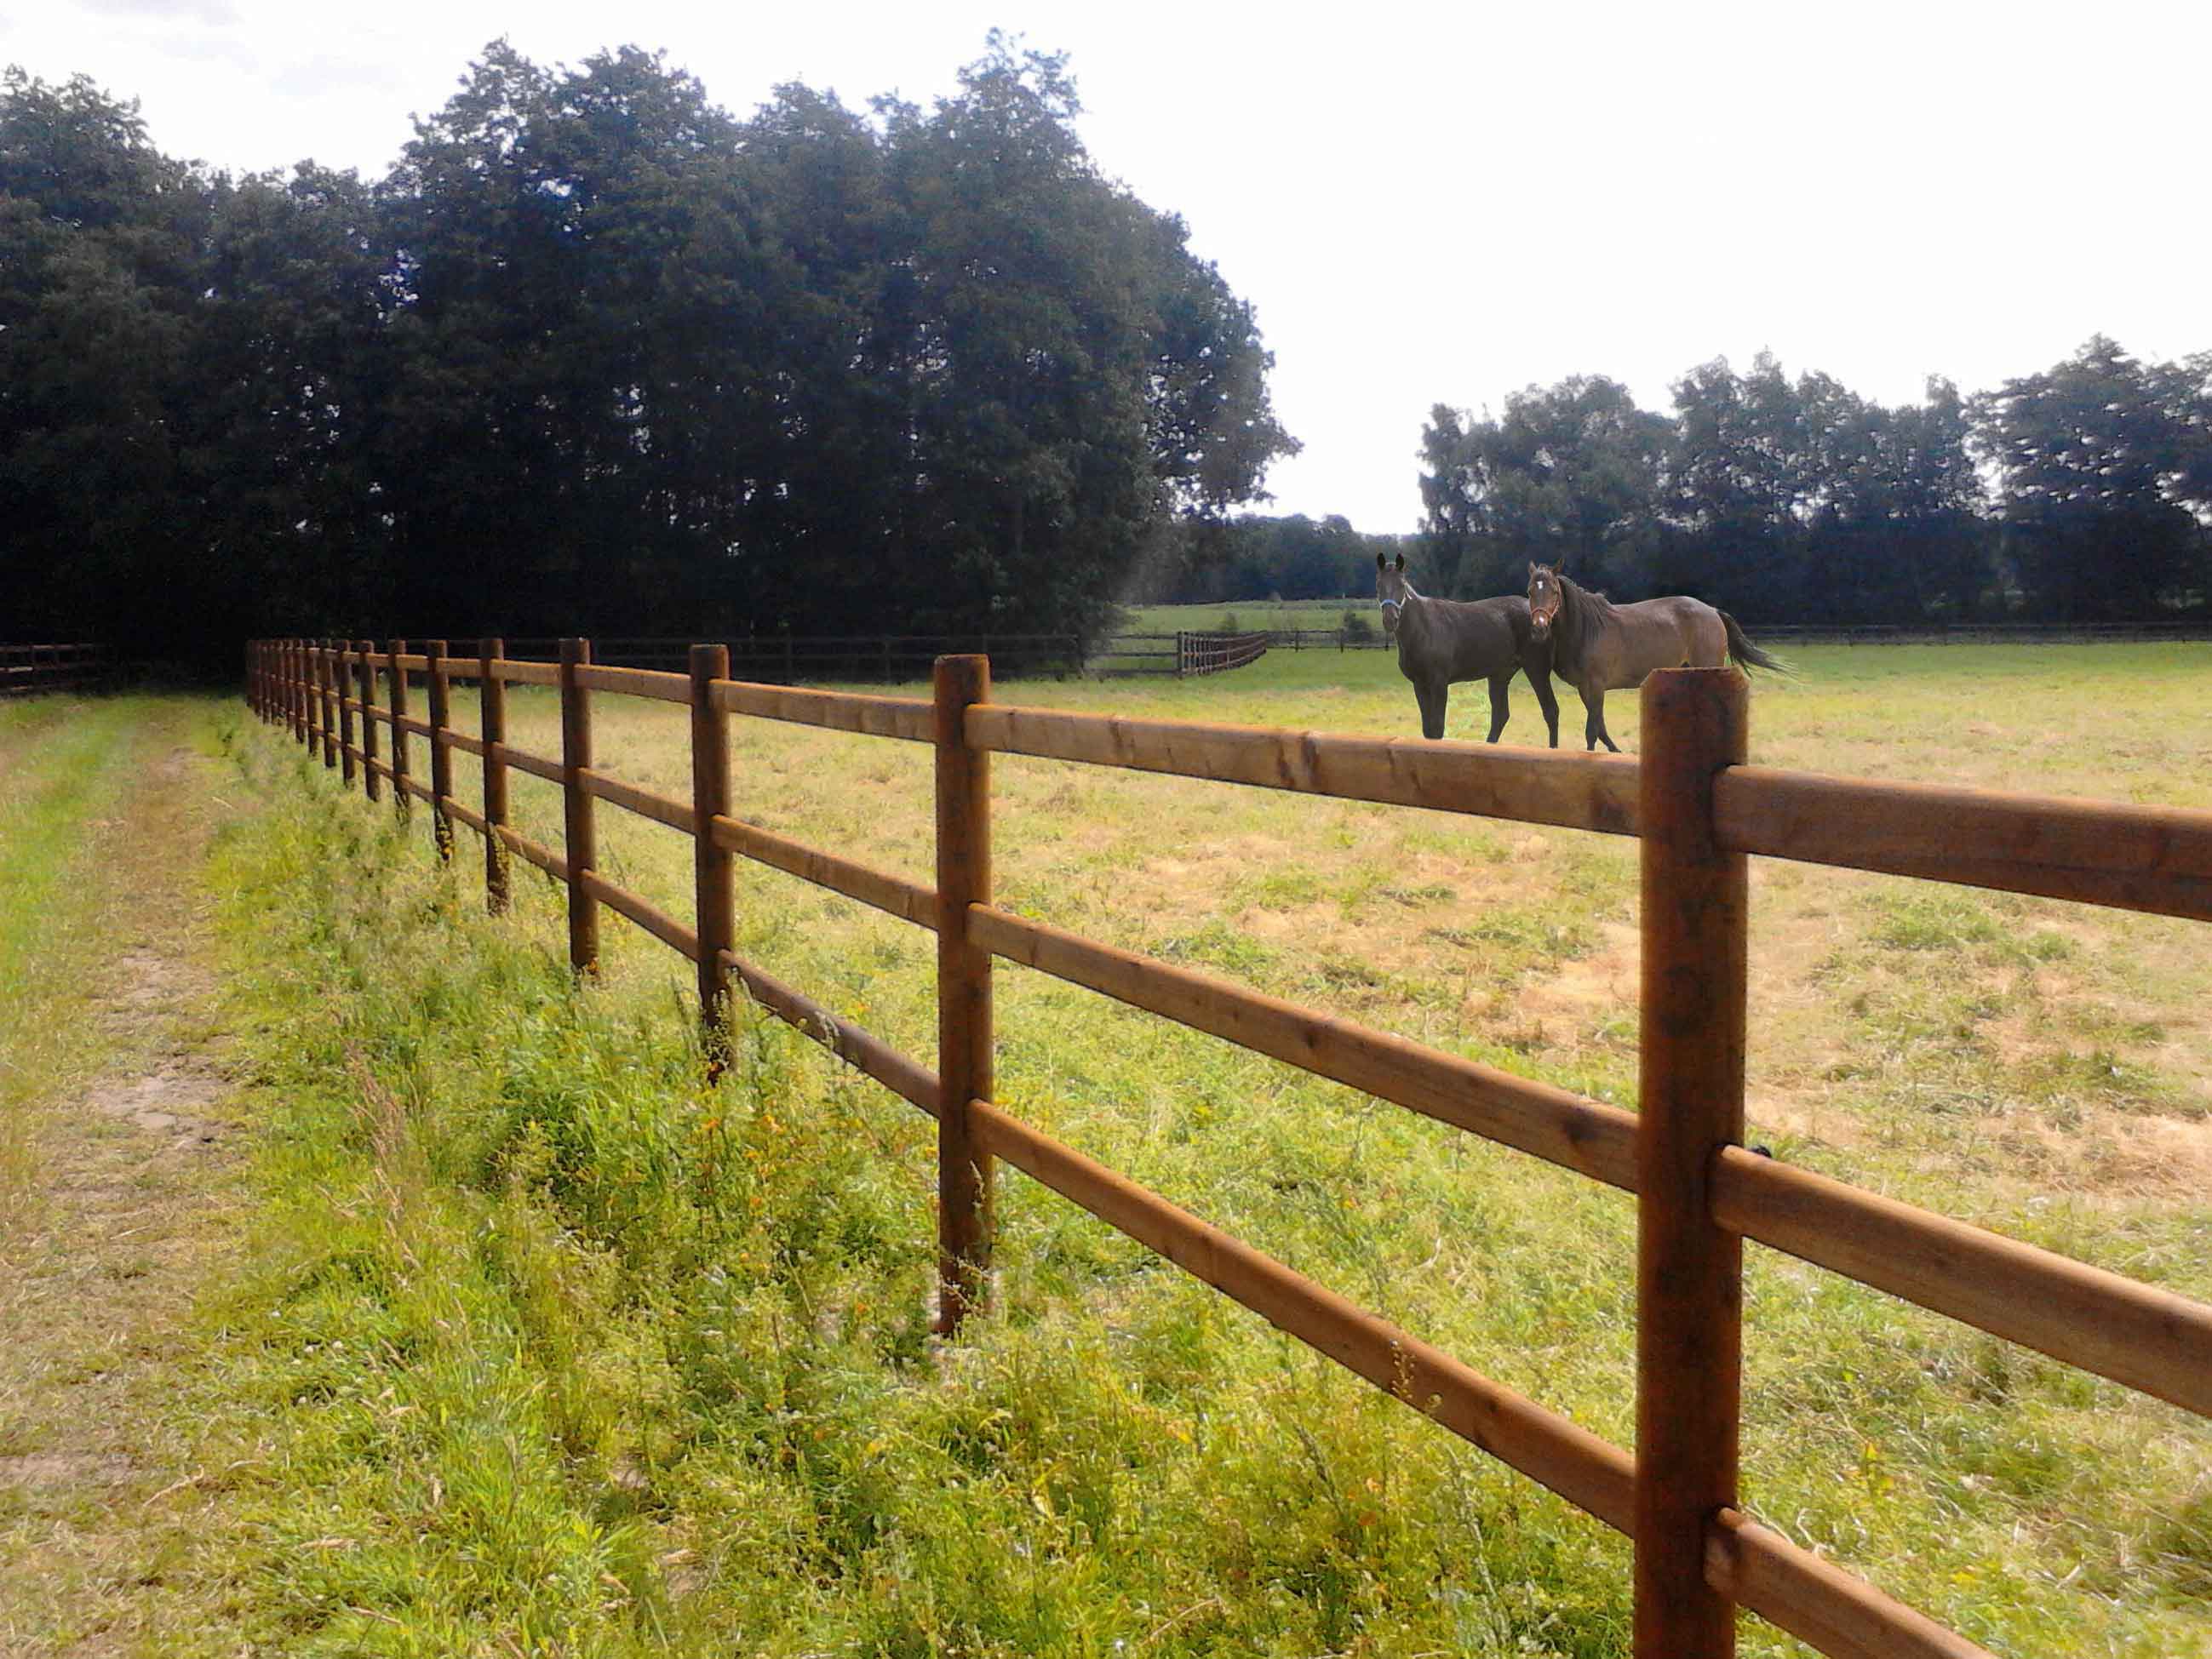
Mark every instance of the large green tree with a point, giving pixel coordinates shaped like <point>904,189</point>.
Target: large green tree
<point>2105,478</point>
<point>1569,475</point>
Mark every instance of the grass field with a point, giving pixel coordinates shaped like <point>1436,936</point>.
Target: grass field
<point>1135,1460</point>
<point>552,1349</point>
<point>1242,616</point>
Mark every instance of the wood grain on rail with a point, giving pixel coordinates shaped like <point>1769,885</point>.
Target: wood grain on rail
<point>649,916</point>
<point>905,717</point>
<point>1533,786</point>
<point>532,852</point>
<point>1817,1601</point>
<point>909,900</point>
<point>636,682</point>
<point>537,765</point>
<point>646,803</point>
<point>1561,1129</point>
<point>2132,1332</point>
<point>2153,858</point>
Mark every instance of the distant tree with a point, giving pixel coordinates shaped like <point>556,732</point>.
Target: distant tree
<point>101,258</point>
<point>1569,475</point>
<point>2102,462</point>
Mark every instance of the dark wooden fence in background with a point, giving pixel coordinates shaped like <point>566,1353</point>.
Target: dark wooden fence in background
<point>1185,656</point>
<point>1701,810</point>
<point>26,669</point>
<point>796,659</point>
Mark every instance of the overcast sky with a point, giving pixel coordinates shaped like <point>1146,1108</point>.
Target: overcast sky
<point>1425,204</point>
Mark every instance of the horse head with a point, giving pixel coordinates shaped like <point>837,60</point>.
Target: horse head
<point>1391,592</point>
<point>1544,596</point>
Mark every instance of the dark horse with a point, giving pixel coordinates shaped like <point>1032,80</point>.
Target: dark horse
<point>1444,640</point>
<point>1599,646</point>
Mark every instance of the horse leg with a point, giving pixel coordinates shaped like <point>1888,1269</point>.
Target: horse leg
<point>1499,684</point>
<point>1432,698</point>
<point>1549,703</point>
<point>1594,732</point>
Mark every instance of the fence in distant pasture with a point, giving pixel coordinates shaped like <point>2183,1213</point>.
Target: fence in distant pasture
<point>1993,633</point>
<point>1185,654</point>
<point>1700,811</point>
<point>27,668</point>
<point>800,659</point>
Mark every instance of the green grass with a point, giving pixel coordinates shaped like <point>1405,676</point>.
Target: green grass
<point>65,761</point>
<point>556,1348</point>
<point>1242,616</point>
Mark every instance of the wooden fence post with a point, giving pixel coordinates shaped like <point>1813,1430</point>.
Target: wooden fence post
<point>1689,1269</point>
<point>290,652</point>
<point>341,671</point>
<point>364,670</point>
<point>582,830</point>
<point>713,881</point>
<point>491,694</point>
<point>965,1177</point>
<point>401,803</point>
<point>326,686</point>
<point>441,753</point>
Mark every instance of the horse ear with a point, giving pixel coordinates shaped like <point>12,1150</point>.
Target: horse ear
<point>1401,560</point>
<point>1381,562</point>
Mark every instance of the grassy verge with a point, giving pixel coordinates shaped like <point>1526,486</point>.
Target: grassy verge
<point>66,762</point>
<point>553,1348</point>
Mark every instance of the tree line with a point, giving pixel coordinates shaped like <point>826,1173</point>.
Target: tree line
<point>595,356</point>
<point>2080,493</point>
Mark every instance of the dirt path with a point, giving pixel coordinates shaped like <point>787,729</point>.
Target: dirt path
<point>137,1178</point>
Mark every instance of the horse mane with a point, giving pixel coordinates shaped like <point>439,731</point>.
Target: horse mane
<point>1589,596</point>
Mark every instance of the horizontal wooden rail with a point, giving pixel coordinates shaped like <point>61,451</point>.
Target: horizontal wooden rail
<point>654,920</point>
<point>905,1077</point>
<point>636,683</point>
<point>1818,1601</point>
<point>465,743</point>
<point>904,718</point>
<point>2153,859</point>
<point>909,900</point>
<point>1758,1567</point>
<point>518,672</point>
<point>421,728</point>
<point>416,787</point>
<point>461,812</point>
<point>2132,1332</point>
<point>1546,1447</point>
<point>537,765</point>
<point>661,809</point>
<point>534,852</point>
<point>1561,1129</point>
<point>1535,785</point>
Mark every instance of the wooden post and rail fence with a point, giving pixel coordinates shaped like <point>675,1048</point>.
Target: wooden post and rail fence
<point>1701,812</point>
<point>28,670</point>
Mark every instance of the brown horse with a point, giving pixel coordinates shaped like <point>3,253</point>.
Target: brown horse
<point>1443,640</point>
<point>1599,646</point>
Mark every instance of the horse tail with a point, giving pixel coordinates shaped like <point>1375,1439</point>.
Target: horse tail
<point>1743,651</point>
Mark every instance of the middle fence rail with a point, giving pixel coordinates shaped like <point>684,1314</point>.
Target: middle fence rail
<point>1700,811</point>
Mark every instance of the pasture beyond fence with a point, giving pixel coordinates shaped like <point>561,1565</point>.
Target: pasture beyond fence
<point>1185,654</point>
<point>1700,810</point>
<point>28,669</point>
